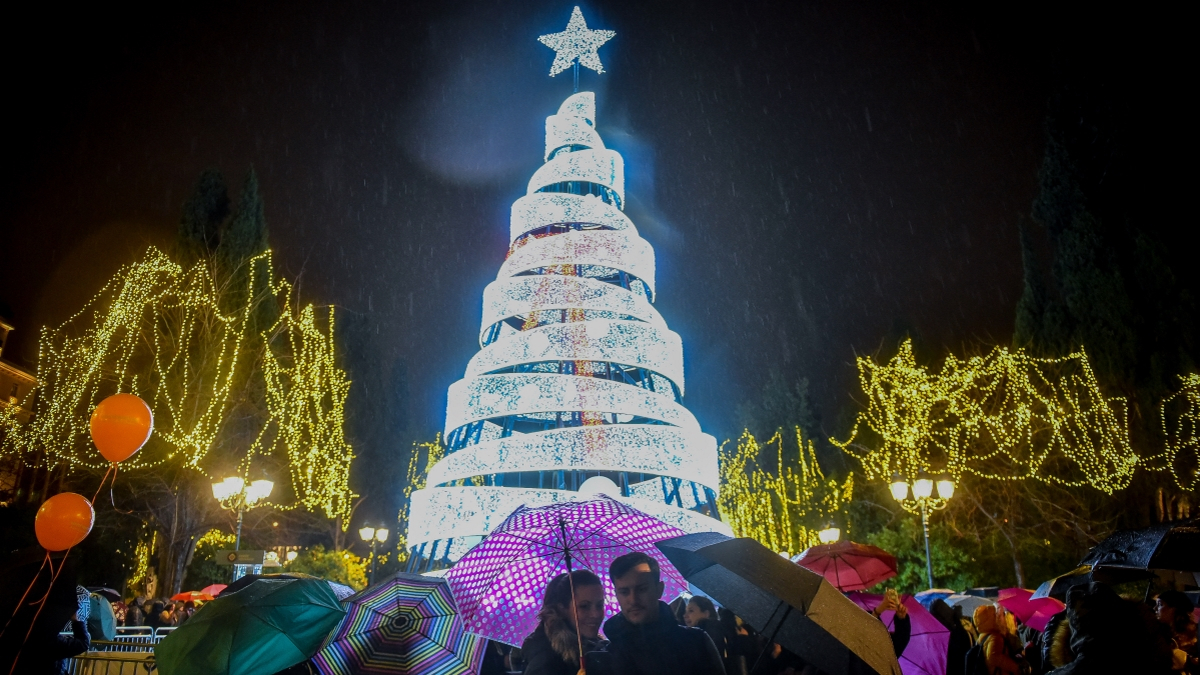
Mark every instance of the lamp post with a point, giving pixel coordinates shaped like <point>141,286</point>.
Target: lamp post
<point>923,501</point>
<point>374,535</point>
<point>234,494</point>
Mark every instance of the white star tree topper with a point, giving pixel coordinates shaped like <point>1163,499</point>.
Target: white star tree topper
<point>576,42</point>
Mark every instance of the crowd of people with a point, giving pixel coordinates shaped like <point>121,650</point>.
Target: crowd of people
<point>153,613</point>
<point>1099,633</point>
<point>649,636</point>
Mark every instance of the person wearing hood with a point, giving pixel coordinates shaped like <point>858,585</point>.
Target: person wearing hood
<point>1174,610</point>
<point>993,642</point>
<point>553,647</point>
<point>1109,634</point>
<point>960,640</point>
<point>645,638</point>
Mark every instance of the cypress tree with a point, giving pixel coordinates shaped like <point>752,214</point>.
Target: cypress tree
<point>203,216</point>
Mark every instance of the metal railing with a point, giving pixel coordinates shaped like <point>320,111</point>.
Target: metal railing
<point>130,652</point>
<point>111,663</point>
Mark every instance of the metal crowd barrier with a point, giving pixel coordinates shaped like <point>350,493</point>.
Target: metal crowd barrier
<point>111,663</point>
<point>131,652</point>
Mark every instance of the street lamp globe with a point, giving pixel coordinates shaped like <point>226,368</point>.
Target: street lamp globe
<point>366,533</point>
<point>258,490</point>
<point>381,534</point>
<point>899,488</point>
<point>945,487</point>
<point>829,535</point>
<point>923,486</point>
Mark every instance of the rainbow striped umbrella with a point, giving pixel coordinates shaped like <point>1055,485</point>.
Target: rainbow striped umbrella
<point>405,624</point>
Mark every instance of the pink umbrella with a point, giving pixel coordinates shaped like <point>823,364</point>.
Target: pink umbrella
<point>926,650</point>
<point>1033,613</point>
<point>499,584</point>
<point>849,566</point>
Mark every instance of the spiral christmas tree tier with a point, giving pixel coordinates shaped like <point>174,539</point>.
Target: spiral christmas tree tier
<point>577,387</point>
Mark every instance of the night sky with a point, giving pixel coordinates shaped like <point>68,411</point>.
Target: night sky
<point>816,177</point>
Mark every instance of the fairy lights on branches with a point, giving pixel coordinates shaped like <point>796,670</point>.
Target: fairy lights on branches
<point>782,506</point>
<point>1001,416</point>
<point>160,331</point>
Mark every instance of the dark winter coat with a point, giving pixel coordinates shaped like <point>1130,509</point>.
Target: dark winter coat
<point>662,647</point>
<point>553,647</point>
<point>960,640</point>
<point>65,646</point>
<point>1112,635</point>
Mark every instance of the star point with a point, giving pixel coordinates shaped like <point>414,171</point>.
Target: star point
<point>576,42</point>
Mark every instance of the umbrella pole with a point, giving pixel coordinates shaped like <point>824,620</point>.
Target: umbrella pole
<point>771,640</point>
<point>562,526</point>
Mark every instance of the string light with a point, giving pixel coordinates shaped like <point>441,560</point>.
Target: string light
<point>159,331</point>
<point>786,506</point>
<point>1002,416</point>
<point>1180,415</point>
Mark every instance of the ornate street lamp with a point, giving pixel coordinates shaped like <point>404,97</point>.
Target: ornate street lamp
<point>374,535</point>
<point>923,501</point>
<point>234,494</point>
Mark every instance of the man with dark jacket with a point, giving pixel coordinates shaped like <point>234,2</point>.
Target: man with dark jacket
<point>644,638</point>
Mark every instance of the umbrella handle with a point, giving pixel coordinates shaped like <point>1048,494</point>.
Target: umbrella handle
<point>775,632</point>
<point>562,525</point>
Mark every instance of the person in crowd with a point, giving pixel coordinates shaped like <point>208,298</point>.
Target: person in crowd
<point>553,647</point>
<point>702,613</point>
<point>901,625</point>
<point>135,614</point>
<point>154,616</point>
<point>678,608</point>
<point>1109,634</point>
<point>960,640</point>
<point>495,659</point>
<point>645,638</point>
<point>65,646</point>
<point>993,642</point>
<point>1174,610</point>
<point>189,608</point>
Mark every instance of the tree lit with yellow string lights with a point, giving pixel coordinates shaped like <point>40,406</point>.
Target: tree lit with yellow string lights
<point>784,504</point>
<point>241,379</point>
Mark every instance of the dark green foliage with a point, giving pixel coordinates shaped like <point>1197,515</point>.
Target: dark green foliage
<point>781,406</point>
<point>1117,284</point>
<point>204,213</point>
<point>246,234</point>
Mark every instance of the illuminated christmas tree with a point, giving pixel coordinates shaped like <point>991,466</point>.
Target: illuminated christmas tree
<point>577,387</point>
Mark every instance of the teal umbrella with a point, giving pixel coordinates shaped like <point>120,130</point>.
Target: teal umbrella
<point>263,628</point>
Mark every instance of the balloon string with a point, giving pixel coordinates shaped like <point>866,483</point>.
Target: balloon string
<point>112,467</point>
<point>112,485</point>
<point>41,605</point>
<point>32,583</point>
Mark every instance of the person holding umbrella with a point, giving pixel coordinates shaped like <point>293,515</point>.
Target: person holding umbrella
<point>645,638</point>
<point>553,648</point>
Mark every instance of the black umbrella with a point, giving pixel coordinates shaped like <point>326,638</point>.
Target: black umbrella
<point>787,603</point>
<point>107,593</point>
<point>1160,547</point>
<point>1084,575</point>
<point>342,591</point>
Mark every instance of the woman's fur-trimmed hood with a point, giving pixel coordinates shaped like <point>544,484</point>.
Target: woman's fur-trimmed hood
<point>561,635</point>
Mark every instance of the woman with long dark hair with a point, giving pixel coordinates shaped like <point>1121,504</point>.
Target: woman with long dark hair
<point>553,647</point>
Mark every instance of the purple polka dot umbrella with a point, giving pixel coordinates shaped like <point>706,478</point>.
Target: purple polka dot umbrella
<point>499,584</point>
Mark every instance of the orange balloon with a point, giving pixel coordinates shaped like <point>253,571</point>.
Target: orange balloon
<point>121,425</point>
<point>63,521</point>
